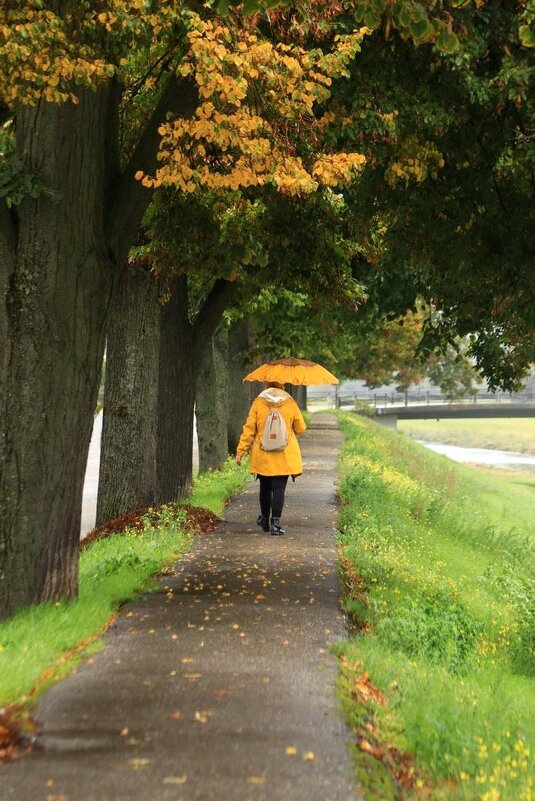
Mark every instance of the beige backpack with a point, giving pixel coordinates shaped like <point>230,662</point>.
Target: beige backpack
<point>275,433</point>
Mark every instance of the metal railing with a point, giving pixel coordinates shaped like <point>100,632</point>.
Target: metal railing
<point>428,398</point>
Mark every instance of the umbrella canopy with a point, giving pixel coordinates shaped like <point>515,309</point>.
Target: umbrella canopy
<point>292,371</point>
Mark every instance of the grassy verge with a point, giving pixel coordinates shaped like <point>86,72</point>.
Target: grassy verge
<point>439,682</point>
<point>515,434</point>
<point>42,643</point>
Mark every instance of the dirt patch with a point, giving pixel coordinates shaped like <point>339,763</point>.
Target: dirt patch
<point>198,519</point>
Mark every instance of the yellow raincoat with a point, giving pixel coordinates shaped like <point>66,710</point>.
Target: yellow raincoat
<point>273,463</point>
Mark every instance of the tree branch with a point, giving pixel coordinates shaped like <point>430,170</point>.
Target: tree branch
<point>211,312</point>
<point>129,198</point>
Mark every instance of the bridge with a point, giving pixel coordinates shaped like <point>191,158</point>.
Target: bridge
<point>387,410</point>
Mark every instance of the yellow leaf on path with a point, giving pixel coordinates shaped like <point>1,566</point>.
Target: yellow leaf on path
<point>124,731</point>
<point>309,756</point>
<point>175,779</point>
<point>291,750</point>
<point>202,717</point>
<point>139,762</point>
<point>256,779</point>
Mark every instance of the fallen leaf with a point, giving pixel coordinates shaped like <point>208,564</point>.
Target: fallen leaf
<point>175,779</point>
<point>176,714</point>
<point>309,756</point>
<point>291,750</point>
<point>260,597</point>
<point>49,783</point>
<point>124,731</point>
<point>202,717</point>
<point>139,762</point>
<point>186,660</point>
<point>256,779</point>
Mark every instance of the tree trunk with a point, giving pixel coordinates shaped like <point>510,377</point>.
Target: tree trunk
<point>127,478</point>
<point>60,258</point>
<point>54,313</point>
<point>299,394</point>
<point>212,403</point>
<point>182,345</point>
<point>240,394</point>
<point>177,383</point>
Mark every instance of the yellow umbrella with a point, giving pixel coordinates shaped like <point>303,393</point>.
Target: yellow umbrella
<point>292,371</point>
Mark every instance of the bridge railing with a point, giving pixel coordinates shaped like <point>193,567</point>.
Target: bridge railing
<point>383,400</point>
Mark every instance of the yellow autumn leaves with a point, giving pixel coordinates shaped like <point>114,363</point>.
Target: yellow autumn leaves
<point>417,161</point>
<point>256,101</point>
<point>256,122</point>
<point>48,56</point>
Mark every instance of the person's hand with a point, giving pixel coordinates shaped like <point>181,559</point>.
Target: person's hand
<point>238,460</point>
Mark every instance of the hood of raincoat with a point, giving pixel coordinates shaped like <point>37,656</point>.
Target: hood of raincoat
<point>275,395</point>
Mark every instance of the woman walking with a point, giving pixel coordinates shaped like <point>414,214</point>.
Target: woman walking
<point>272,466</point>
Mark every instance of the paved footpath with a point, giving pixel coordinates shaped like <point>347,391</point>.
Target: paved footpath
<point>220,686</point>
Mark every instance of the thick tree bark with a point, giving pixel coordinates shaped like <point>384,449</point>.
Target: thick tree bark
<point>299,393</point>
<point>178,368</point>
<point>60,261</point>
<point>182,345</point>
<point>212,403</point>
<point>53,314</point>
<point>240,394</point>
<point>127,479</point>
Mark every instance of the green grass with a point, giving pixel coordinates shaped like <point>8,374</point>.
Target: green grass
<point>514,434</point>
<point>41,643</point>
<point>439,562</point>
<point>213,488</point>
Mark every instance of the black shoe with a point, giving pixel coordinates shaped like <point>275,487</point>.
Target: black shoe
<point>263,522</point>
<point>276,526</point>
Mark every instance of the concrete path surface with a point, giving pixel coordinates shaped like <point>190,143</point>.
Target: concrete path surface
<point>220,686</point>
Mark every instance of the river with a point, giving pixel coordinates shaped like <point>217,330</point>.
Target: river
<point>483,456</point>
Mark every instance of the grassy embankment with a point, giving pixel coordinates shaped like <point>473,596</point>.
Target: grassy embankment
<point>441,584</point>
<point>504,434</point>
<point>42,643</point>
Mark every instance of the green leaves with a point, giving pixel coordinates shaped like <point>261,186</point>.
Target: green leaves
<point>248,7</point>
<point>448,42</point>
<point>16,182</point>
<point>526,34</point>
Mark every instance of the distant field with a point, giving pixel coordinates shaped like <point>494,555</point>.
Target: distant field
<point>516,434</point>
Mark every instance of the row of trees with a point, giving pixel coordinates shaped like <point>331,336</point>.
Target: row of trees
<point>158,165</point>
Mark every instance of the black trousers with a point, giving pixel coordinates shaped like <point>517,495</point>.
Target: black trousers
<point>272,490</point>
